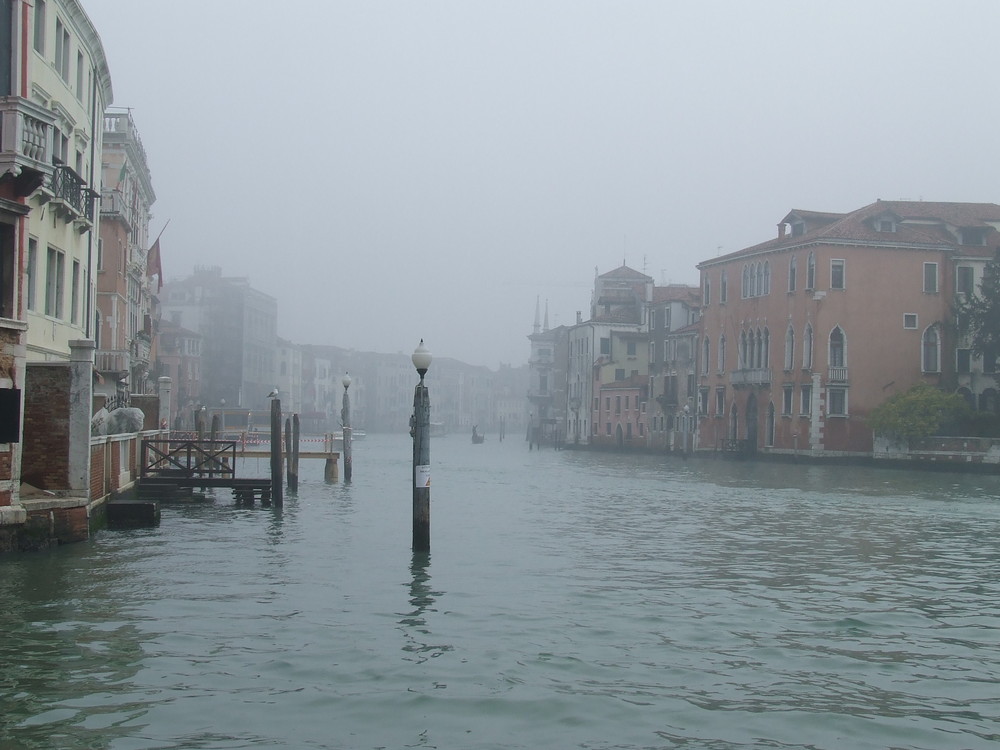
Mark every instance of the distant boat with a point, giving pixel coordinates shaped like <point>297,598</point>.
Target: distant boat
<point>476,437</point>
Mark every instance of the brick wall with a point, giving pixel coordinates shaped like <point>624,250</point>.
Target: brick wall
<point>97,470</point>
<point>6,461</point>
<point>44,460</point>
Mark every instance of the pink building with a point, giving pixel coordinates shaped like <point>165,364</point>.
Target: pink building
<point>804,335</point>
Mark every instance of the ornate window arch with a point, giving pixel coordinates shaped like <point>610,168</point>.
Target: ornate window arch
<point>838,347</point>
<point>789,347</point>
<point>930,359</point>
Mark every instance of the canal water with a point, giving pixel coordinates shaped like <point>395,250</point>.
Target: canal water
<point>570,600</point>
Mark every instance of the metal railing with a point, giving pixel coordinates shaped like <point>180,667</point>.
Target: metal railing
<point>70,188</point>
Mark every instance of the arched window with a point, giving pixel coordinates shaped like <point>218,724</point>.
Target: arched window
<point>759,283</point>
<point>705,348</point>
<point>766,287</point>
<point>931,348</point>
<point>734,423</point>
<point>811,271</point>
<point>722,354</point>
<point>757,348</point>
<point>746,282</point>
<point>807,348</point>
<point>723,288</point>
<point>789,348</point>
<point>743,351</point>
<point>753,280</point>
<point>792,272</point>
<point>708,291</point>
<point>838,347</point>
<point>765,353</point>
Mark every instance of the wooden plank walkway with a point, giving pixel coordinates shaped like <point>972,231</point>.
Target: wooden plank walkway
<point>171,467</point>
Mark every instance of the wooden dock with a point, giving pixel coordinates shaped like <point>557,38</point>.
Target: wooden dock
<point>171,467</point>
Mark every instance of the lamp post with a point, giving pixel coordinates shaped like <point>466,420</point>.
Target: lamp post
<point>345,417</point>
<point>420,423</point>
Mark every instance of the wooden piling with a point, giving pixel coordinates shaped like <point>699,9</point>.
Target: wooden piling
<point>277,492</point>
<point>293,454</point>
<point>288,453</point>
<point>345,415</point>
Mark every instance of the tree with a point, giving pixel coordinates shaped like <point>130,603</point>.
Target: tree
<point>979,315</point>
<point>917,413</point>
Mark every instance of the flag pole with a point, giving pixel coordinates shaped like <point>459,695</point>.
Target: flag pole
<point>161,232</point>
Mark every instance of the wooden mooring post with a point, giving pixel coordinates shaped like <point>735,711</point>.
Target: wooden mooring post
<point>330,471</point>
<point>292,451</point>
<point>277,493</point>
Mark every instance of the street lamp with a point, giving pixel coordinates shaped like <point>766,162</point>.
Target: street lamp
<point>345,417</point>
<point>421,424</point>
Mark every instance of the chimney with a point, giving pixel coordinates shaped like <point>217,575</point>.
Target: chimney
<point>579,317</point>
<point>781,230</point>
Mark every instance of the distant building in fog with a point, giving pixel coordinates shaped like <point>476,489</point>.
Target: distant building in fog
<point>238,325</point>
<point>546,387</point>
<point>179,358</point>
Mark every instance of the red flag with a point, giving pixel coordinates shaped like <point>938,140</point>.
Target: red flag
<point>153,267</point>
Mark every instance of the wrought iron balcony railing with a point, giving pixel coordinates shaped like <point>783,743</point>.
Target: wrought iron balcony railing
<point>69,188</point>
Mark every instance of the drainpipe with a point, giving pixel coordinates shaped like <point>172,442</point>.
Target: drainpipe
<point>96,210</point>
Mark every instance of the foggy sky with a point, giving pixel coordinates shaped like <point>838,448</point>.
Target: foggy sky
<point>392,171</point>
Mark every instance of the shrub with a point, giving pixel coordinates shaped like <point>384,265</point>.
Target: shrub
<point>917,413</point>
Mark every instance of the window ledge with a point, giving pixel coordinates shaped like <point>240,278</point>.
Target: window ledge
<point>14,325</point>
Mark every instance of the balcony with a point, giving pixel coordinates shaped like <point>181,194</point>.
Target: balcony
<point>755,376</point>
<point>113,206</point>
<point>71,197</point>
<point>25,138</point>
<point>140,350</point>
<point>112,360</point>
<point>836,375</point>
<point>539,396</point>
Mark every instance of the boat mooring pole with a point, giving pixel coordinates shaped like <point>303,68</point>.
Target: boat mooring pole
<point>421,424</point>
<point>345,416</point>
<point>277,496</point>
<point>294,458</point>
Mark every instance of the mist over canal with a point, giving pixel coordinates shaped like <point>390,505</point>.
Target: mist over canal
<point>570,599</point>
